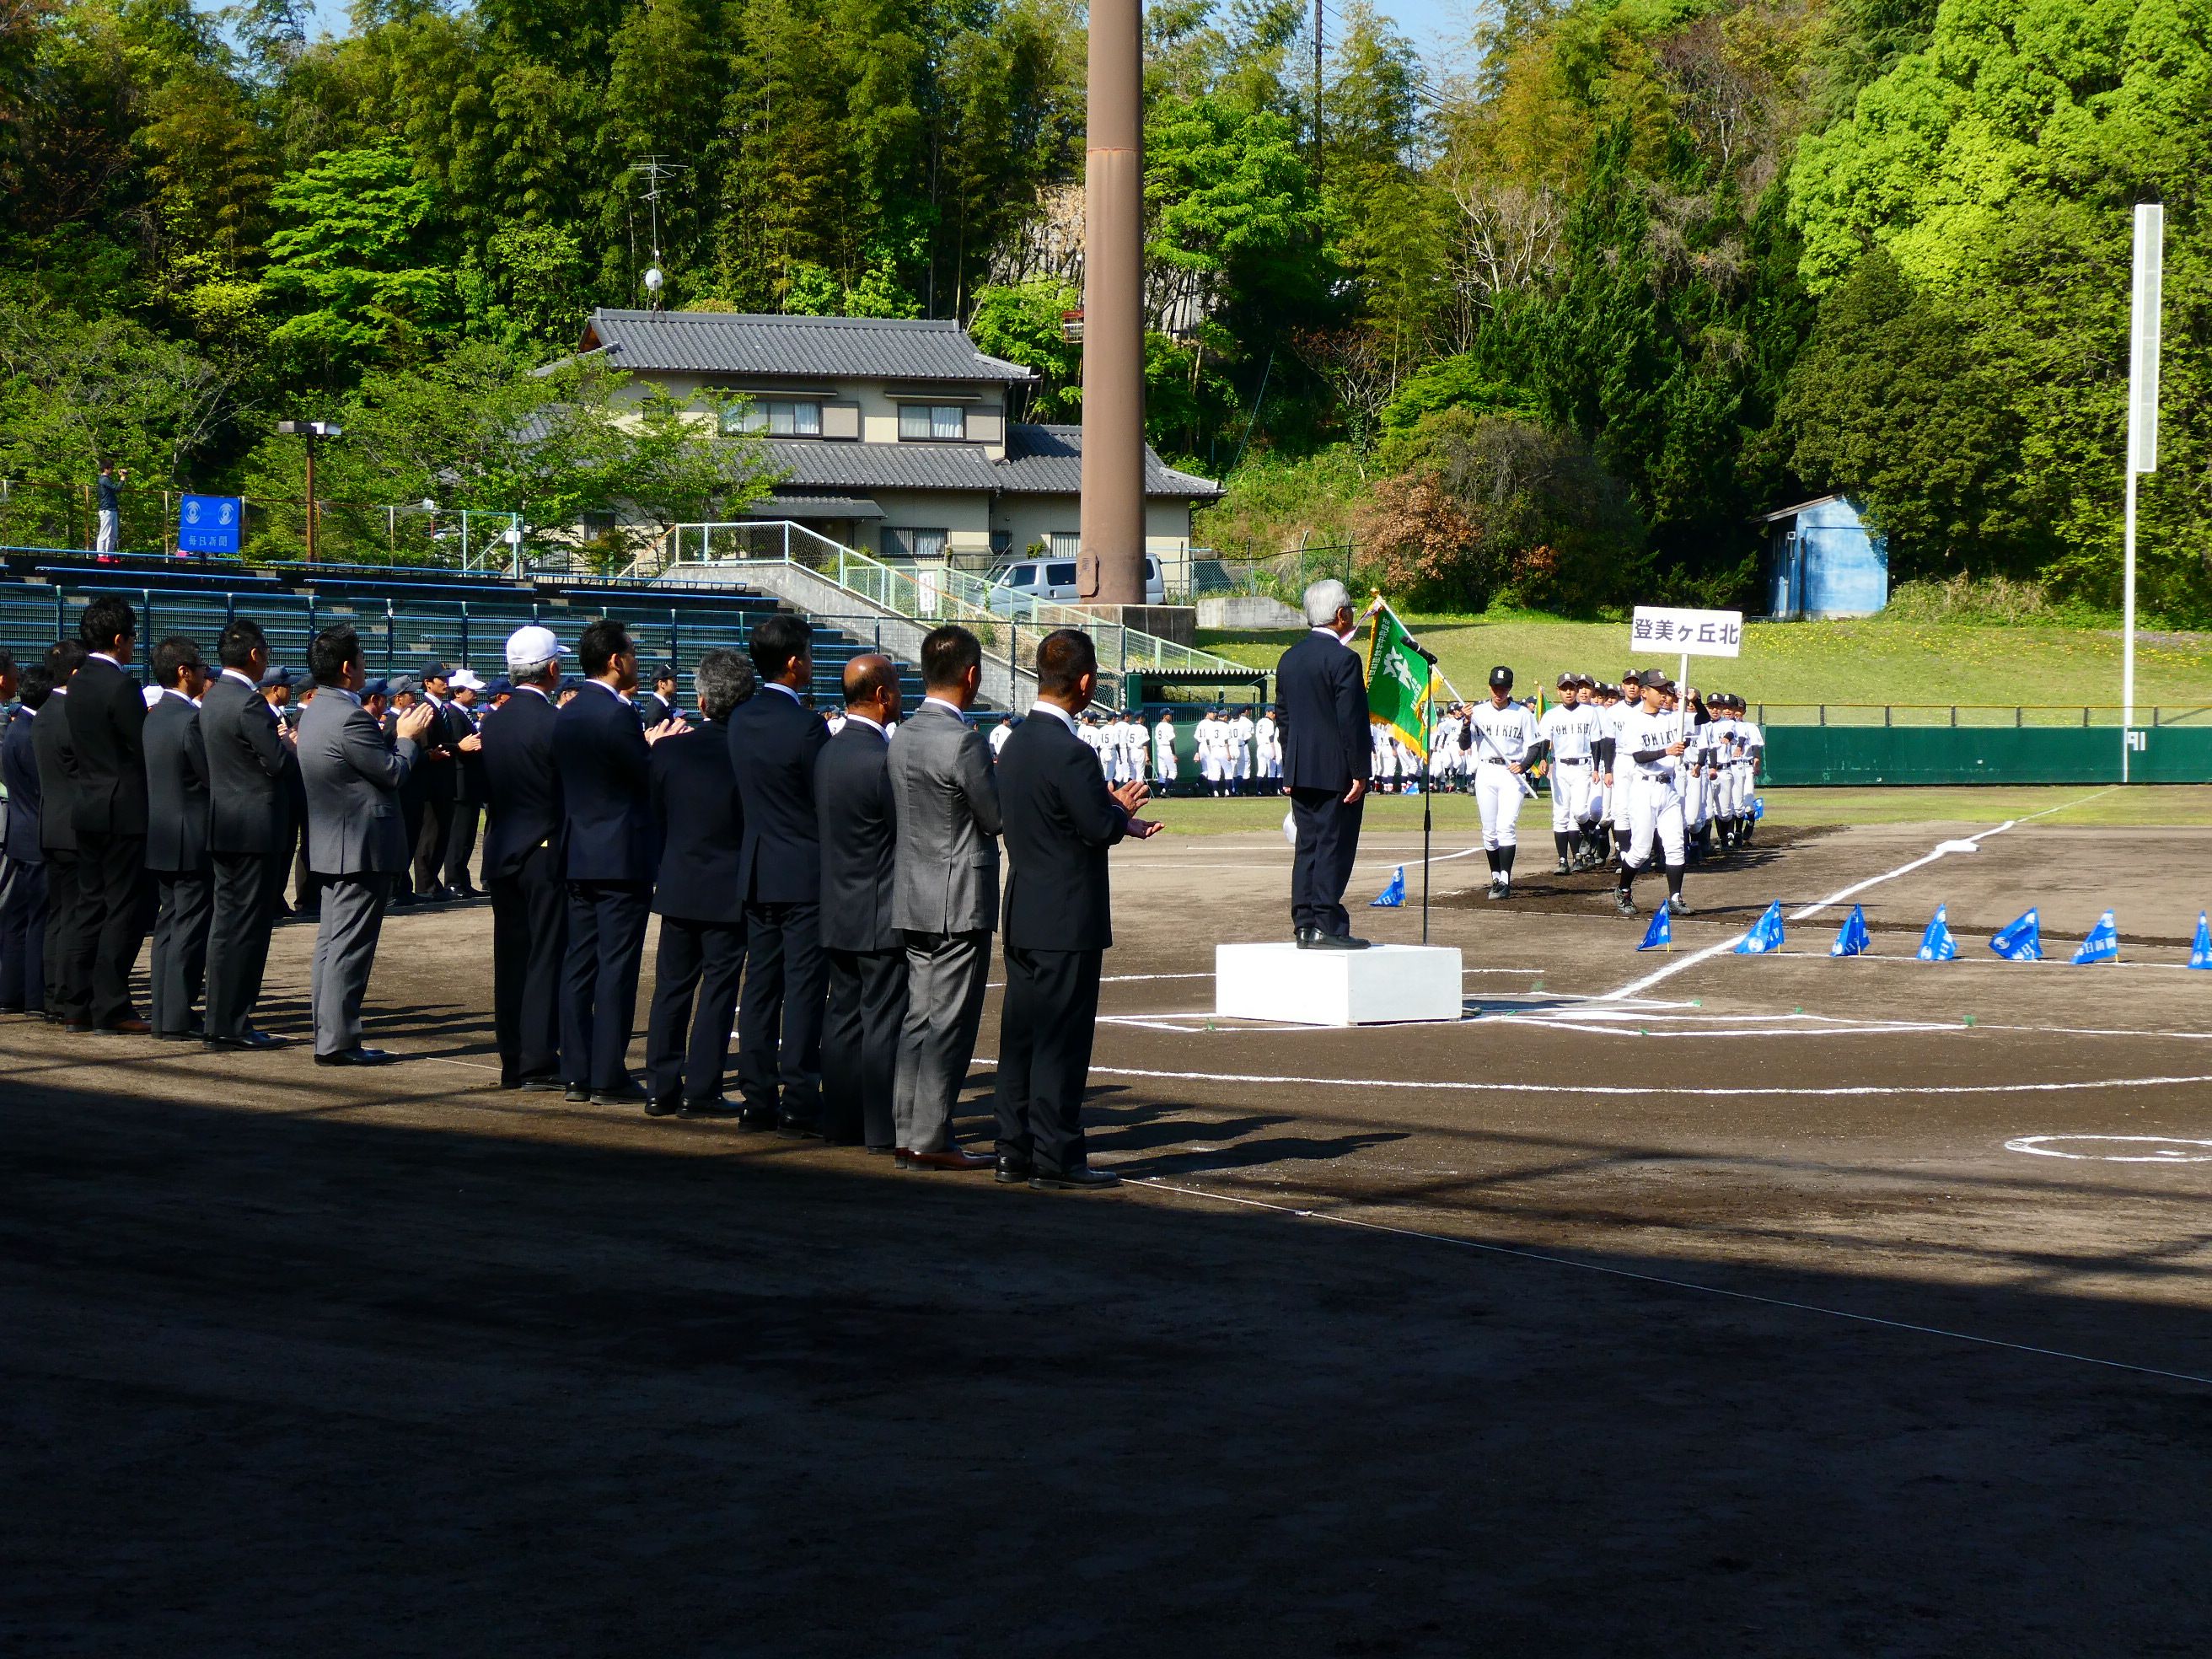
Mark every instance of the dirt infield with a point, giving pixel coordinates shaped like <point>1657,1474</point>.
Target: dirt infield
<point>1777,1305</point>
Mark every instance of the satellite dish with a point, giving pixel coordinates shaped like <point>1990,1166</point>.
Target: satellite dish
<point>653,279</point>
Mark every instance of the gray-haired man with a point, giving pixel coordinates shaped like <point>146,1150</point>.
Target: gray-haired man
<point>946,898</point>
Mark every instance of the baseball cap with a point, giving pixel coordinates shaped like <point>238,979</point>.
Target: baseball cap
<point>406,683</point>
<point>275,677</point>
<point>465,679</point>
<point>501,687</point>
<point>665,671</point>
<point>375,689</point>
<point>433,671</point>
<point>528,646</point>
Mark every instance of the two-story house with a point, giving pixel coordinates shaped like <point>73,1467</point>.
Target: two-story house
<point>892,436</point>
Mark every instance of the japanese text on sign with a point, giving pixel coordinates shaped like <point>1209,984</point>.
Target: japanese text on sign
<point>208,524</point>
<point>1686,633</point>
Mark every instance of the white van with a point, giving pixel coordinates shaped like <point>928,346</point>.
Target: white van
<point>1055,579</point>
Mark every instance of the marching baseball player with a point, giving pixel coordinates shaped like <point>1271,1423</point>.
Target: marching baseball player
<point>1266,754</point>
<point>1163,751</point>
<point>1651,744</point>
<point>1504,746</point>
<point>1567,729</point>
<point>1240,750</point>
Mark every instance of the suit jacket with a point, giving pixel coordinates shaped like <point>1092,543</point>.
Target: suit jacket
<point>438,765</point>
<point>250,807</point>
<point>1322,714</point>
<point>772,746</point>
<point>695,807</point>
<point>107,722</point>
<point>176,787</point>
<point>19,771</point>
<point>1060,820</point>
<point>468,770</point>
<point>857,817</point>
<point>57,764</point>
<point>946,791</point>
<point>606,789</point>
<point>653,709</point>
<point>352,777</point>
<point>523,810</point>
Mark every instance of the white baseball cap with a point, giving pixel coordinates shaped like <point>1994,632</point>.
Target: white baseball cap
<point>528,646</point>
<point>463,679</point>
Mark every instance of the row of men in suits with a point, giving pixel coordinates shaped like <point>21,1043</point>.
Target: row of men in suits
<point>838,893</point>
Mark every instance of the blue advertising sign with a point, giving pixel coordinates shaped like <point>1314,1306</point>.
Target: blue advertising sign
<point>208,523</point>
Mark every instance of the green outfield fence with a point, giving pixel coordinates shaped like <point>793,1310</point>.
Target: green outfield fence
<point>1848,743</point>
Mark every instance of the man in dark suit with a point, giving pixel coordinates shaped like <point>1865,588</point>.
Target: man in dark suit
<point>523,820</point>
<point>108,723</point>
<point>1321,721</point>
<point>774,742</point>
<point>464,729</point>
<point>857,824</point>
<point>252,778</point>
<point>177,838</point>
<point>701,910</point>
<point>440,776</point>
<point>68,945</point>
<point>945,900</point>
<point>23,893</point>
<point>1061,817</point>
<point>659,704</point>
<point>352,774</point>
<point>609,851</point>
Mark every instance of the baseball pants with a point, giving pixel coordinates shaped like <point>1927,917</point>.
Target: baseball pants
<point>1498,793</point>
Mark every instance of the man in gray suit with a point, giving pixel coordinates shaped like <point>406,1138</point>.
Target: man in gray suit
<point>177,839</point>
<point>354,834</point>
<point>946,898</point>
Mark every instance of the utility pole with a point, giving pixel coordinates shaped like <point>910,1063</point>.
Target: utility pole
<point>1317,24</point>
<point>1110,561</point>
<point>312,433</point>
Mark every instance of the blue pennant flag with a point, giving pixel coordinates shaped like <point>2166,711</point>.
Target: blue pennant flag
<point>1393,896</point>
<point>2103,944</point>
<point>2020,940</point>
<point>2200,953</point>
<point>1757,808</point>
<point>1660,935</point>
<point>1766,934</point>
<point>1936,945</point>
<point>1851,938</point>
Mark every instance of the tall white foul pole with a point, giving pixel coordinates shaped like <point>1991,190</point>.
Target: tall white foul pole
<point>2142,438</point>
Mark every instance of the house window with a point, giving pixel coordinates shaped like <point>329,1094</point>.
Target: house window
<point>942,422</point>
<point>779,417</point>
<point>597,524</point>
<point>915,543</point>
<point>1062,544</point>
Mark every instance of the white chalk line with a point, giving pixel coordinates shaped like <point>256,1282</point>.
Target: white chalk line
<point>1646,1091</point>
<point>1730,944</point>
<point>2035,1145</point>
<point>1691,1285</point>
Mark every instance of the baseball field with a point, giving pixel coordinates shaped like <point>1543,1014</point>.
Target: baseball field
<point>1675,1302</point>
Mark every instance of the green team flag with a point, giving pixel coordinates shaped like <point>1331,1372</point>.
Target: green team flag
<point>1399,683</point>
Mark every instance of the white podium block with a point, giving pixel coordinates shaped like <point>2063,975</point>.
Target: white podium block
<point>1385,984</point>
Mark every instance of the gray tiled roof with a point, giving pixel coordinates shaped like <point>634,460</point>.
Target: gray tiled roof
<point>1041,460</point>
<point>806,348</point>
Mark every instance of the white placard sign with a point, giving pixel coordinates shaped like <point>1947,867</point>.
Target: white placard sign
<point>1677,633</point>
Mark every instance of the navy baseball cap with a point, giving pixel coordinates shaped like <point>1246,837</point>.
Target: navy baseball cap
<point>275,677</point>
<point>433,671</point>
<point>501,687</point>
<point>375,689</point>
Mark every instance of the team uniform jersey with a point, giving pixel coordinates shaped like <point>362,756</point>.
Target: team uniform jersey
<point>1657,795</point>
<point>1569,729</point>
<point>1163,751</point>
<point>1499,739</point>
<point>999,733</point>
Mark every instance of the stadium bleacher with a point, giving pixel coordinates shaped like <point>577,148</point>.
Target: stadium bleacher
<point>405,615</point>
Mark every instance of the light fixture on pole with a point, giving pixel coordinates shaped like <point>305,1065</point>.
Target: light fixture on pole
<point>314,432</point>
<point>2142,441</point>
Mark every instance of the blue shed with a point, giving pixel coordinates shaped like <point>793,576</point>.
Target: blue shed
<point>1822,561</point>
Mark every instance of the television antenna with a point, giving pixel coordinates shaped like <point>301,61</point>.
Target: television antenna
<point>656,174</point>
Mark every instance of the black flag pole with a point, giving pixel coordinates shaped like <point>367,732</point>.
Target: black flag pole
<point>1428,772</point>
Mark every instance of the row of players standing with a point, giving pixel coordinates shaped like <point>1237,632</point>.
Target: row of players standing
<point>1233,753</point>
<point>1636,770</point>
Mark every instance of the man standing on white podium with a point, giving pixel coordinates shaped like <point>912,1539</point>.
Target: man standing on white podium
<point>1321,698</point>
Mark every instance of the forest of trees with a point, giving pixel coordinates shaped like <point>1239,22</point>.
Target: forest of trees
<point>1651,267</point>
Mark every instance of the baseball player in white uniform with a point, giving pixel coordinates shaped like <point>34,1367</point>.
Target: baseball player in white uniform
<point>1266,754</point>
<point>1240,749</point>
<point>999,733</point>
<point>1621,778</point>
<point>1163,750</point>
<point>1651,745</point>
<point>1567,729</point>
<point>1504,744</point>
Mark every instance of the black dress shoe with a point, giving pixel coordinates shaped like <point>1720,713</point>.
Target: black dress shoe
<point>252,1040</point>
<point>755,1118</point>
<point>1080,1179</point>
<point>797,1128</point>
<point>578,1093</point>
<point>630,1094</point>
<point>882,1151</point>
<point>1336,942</point>
<point>663,1108</point>
<point>356,1056</point>
<point>718,1107</point>
<point>538,1085</point>
<point>1013,1171</point>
